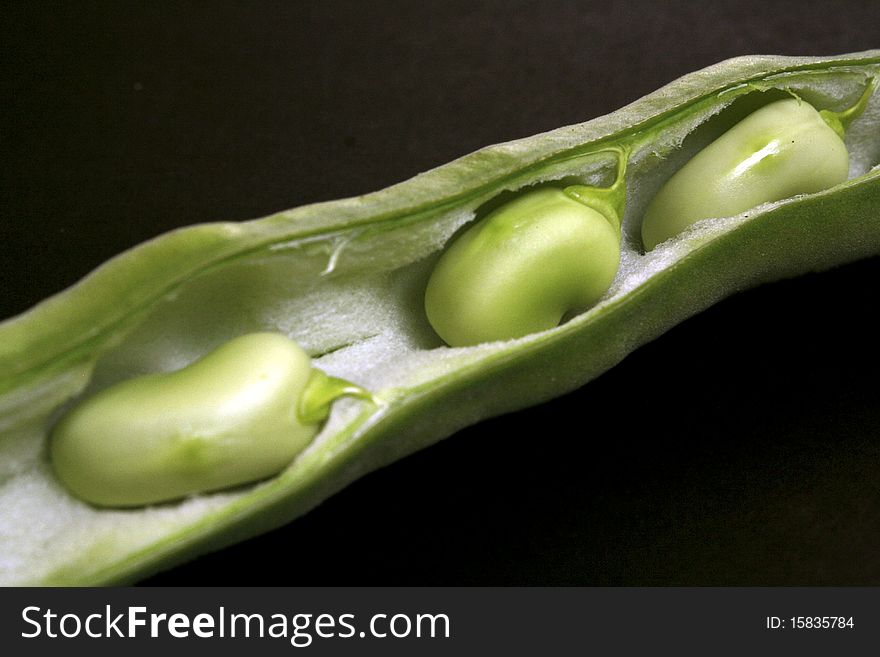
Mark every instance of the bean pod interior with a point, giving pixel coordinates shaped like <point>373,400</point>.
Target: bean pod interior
<point>352,295</point>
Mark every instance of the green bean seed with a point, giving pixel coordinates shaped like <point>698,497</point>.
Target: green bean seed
<point>528,263</point>
<point>239,414</point>
<point>781,150</point>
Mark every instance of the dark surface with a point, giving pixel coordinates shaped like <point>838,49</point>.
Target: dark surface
<point>740,448</point>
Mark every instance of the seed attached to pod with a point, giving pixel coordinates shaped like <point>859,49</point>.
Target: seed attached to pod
<point>239,414</point>
<point>528,263</point>
<point>781,150</point>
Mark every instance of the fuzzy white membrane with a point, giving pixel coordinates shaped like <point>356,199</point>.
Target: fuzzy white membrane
<point>40,520</point>
<point>355,303</point>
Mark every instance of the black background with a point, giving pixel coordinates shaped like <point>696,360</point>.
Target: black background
<point>739,448</point>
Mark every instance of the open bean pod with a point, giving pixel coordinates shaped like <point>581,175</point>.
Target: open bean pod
<point>346,280</point>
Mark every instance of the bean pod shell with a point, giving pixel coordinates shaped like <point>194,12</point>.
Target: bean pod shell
<point>348,276</point>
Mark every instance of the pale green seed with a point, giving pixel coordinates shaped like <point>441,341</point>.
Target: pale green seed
<point>781,150</point>
<point>523,267</point>
<point>232,417</point>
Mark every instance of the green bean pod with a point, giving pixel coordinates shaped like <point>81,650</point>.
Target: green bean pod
<point>239,414</point>
<point>781,150</point>
<point>528,263</point>
<point>346,279</point>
